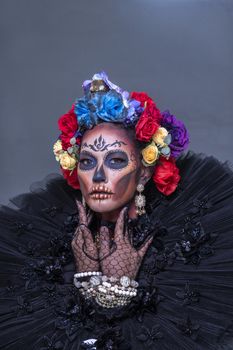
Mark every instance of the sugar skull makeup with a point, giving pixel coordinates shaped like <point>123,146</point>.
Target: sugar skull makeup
<point>108,168</point>
<point>160,138</point>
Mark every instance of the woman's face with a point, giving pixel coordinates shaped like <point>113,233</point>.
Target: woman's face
<point>109,168</point>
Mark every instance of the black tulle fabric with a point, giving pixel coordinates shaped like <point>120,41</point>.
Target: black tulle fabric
<point>185,298</point>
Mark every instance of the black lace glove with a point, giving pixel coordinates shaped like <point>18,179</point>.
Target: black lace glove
<point>84,248</point>
<point>119,258</point>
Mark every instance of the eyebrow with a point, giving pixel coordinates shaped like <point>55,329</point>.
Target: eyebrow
<point>87,153</point>
<point>100,145</point>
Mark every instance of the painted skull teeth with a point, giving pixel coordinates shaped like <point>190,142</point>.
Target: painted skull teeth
<point>100,192</point>
<point>101,189</point>
<point>100,196</point>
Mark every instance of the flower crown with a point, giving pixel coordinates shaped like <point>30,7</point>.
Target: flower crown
<point>165,137</point>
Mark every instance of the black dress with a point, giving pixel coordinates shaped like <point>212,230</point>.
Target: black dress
<point>185,298</point>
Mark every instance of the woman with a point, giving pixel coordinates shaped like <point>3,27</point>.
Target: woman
<point>150,230</point>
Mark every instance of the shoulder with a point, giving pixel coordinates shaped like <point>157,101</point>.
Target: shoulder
<point>51,192</point>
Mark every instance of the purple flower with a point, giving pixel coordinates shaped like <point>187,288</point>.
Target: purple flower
<point>178,132</point>
<point>102,76</point>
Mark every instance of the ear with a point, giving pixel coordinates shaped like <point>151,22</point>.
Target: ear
<point>146,173</point>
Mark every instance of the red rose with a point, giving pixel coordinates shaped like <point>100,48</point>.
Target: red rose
<point>148,104</point>
<point>65,140</point>
<point>152,110</point>
<point>68,124</point>
<point>150,118</point>
<point>146,127</point>
<point>166,176</point>
<point>142,97</point>
<point>71,178</point>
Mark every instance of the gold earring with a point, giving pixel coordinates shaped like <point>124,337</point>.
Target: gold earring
<point>140,200</point>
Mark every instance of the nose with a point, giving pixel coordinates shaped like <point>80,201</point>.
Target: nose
<point>99,175</point>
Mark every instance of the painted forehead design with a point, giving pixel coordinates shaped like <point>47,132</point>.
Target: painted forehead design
<point>114,156</point>
<point>100,145</point>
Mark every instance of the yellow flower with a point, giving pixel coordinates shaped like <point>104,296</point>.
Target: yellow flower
<point>67,162</point>
<point>159,136</point>
<point>150,154</point>
<point>57,147</point>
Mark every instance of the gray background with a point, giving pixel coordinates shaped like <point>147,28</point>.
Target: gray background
<point>179,51</point>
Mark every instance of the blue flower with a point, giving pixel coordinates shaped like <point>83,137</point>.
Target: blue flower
<point>134,108</point>
<point>94,108</point>
<point>112,108</point>
<point>86,113</point>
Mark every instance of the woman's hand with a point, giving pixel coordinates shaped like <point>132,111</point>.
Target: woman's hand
<point>122,259</point>
<point>84,248</point>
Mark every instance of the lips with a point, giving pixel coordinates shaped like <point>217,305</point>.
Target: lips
<point>100,192</point>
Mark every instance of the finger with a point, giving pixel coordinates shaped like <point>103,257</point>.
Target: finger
<point>87,236</point>
<point>76,245</point>
<point>127,238</point>
<point>119,228</point>
<point>89,218</point>
<point>78,240</point>
<point>83,222</point>
<point>143,249</point>
<point>104,241</point>
<point>77,232</point>
<point>82,213</point>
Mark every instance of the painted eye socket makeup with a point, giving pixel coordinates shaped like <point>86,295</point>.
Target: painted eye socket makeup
<point>113,160</point>
<point>116,159</point>
<point>87,161</point>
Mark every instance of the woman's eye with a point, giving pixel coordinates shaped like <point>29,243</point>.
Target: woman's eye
<point>85,161</point>
<point>117,161</point>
